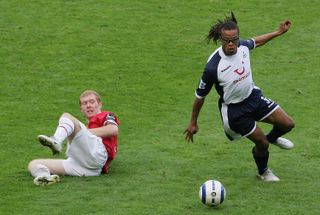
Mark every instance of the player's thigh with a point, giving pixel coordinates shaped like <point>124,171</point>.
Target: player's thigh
<point>279,118</point>
<point>55,166</point>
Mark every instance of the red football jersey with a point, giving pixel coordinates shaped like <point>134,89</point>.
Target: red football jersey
<point>111,143</point>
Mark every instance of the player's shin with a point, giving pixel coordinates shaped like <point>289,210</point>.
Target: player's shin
<point>261,160</point>
<point>64,129</point>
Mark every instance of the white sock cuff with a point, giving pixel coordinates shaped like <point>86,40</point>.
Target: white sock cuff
<point>67,124</point>
<point>39,170</point>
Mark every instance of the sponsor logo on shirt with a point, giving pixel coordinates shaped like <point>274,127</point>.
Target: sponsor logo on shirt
<point>241,78</point>
<point>239,71</point>
<point>225,69</point>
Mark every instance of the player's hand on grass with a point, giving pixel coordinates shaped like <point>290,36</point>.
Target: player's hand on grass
<point>284,26</point>
<point>190,131</point>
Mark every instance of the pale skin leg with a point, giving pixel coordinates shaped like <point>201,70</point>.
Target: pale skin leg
<point>55,165</point>
<point>76,125</point>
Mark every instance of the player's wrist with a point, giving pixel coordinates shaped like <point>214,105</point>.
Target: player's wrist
<point>194,123</point>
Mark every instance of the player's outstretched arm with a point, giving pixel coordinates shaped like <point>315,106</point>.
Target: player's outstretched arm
<point>193,125</point>
<point>263,39</point>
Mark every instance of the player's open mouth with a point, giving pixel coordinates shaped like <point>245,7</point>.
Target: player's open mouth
<point>232,50</point>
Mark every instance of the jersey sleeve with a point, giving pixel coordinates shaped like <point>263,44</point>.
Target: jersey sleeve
<point>206,82</point>
<point>110,118</point>
<point>250,43</point>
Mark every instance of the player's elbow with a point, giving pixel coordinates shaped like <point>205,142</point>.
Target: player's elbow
<point>113,130</point>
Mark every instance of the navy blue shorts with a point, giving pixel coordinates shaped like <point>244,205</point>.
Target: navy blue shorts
<point>240,119</point>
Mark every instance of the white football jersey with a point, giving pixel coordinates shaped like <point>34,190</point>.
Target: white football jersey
<point>231,75</point>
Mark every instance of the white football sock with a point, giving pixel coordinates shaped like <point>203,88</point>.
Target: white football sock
<point>39,170</point>
<point>64,129</point>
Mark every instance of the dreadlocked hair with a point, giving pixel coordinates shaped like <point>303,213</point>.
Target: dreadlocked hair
<point>229,23</point>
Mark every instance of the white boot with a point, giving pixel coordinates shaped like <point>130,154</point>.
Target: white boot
<point>284,143</point>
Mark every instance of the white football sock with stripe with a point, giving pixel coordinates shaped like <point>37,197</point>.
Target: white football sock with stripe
<point>39,170</point>
<point>64,129</point>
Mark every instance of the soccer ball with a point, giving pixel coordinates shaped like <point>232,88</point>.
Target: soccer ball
<point>212,193</point>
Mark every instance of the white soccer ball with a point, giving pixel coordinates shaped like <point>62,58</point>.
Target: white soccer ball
<point>212,193</point>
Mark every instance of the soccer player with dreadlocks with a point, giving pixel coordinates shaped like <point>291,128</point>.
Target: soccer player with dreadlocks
<point>241,103</point>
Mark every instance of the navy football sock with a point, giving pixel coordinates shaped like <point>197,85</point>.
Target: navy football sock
<point>275,133</point>
<point>261,160</point>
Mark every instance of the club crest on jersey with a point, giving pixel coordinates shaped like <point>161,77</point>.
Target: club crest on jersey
<point>202,85</point>
<point>239,71</point>
<point>244,55</point>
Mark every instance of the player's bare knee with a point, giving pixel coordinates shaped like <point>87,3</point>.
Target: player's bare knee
<point>32,164</point>
<point>262,144</point>
<point>67,115</point>
<point>72,118</point>
<point>289,124</point>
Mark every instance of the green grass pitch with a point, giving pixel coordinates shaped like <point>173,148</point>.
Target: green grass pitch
<point>145,58</point>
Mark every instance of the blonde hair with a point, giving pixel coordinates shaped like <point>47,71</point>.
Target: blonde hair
<point>90,92</point>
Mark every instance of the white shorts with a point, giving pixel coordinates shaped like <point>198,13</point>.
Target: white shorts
<point>86,154</point>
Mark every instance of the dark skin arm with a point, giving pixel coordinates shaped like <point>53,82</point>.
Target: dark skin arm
<point>193,125</point>
<point>263,39</point>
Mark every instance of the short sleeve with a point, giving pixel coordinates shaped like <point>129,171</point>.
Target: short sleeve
<point>205,84</point>
<point>110,119</point>
<point>250,43</point>
<point>209,76</point>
